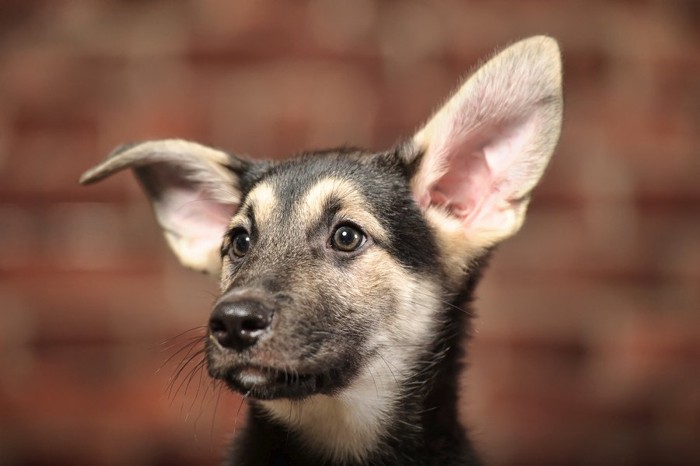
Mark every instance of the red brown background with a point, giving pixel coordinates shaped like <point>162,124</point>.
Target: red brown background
<point>587,350</point>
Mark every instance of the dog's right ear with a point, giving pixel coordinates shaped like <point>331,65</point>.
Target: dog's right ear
<point>194,191</point>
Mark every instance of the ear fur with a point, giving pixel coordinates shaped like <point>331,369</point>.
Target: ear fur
<point>481,154</point>
<point>194,191</point>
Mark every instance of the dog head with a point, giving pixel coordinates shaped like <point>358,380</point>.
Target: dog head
<point>333,261</point>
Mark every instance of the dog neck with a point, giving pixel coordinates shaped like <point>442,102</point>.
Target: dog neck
<point>346,426</point>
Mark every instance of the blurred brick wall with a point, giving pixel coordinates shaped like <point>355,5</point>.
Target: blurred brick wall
<point>587,348</point>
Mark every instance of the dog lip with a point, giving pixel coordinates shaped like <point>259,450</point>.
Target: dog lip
<point>252,376</point>
<point>268,382</point>
<point>261,374</point>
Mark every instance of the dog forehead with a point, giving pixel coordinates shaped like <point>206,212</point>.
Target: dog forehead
<point>306,189</point>
<point>294,178</point>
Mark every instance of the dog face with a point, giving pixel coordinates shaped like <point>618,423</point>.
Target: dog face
<point>323,254</point>
<point>335,267</point>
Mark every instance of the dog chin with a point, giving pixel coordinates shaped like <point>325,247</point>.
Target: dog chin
<point>265,383</point>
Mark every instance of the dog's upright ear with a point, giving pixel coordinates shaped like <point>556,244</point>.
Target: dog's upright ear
<point>478,158</point>
<point>194,190</point>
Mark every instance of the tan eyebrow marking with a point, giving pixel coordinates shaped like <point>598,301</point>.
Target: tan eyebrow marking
<point>353,205</point>
<point>262,200</point>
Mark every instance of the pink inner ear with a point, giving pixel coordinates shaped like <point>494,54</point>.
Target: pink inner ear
<point>485,171</point>
<point>188,208</point>
<point>194,214</point>
<point>467,181</point>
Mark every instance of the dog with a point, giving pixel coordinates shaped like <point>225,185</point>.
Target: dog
<point>346,275</point>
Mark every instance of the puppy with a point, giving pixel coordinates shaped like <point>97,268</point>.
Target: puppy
<point>346,274</point>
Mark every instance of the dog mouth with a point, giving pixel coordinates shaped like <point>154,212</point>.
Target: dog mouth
<point>268,383</point>
<point>266,375</point>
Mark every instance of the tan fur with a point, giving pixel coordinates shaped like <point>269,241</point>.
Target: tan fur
<point>353,208</point>
<point>457,248</point>
<point>166,151</point>
<point>263,200</point>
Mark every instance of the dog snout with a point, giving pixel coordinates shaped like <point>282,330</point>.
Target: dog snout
<point>239,324</point>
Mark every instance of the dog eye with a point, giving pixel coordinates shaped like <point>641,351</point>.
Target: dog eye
<point>240,243</point>
<point>347,238</point>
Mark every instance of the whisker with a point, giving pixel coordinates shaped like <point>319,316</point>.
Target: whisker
<point>188,379</point>
<point>218,386</point>
<point>189,346</point>
<point>201,403</point>
<point>183,365</point>
<point>179,335</point>
<point>238,412</point>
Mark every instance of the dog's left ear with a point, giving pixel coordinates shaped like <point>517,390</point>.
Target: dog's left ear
<point>481,154</point>
<point>194,191</point>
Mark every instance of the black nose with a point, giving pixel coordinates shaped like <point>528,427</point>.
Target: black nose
<point>239,324</point>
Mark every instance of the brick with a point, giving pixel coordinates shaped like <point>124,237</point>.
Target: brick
<point>585,347</point>
<point>271,99</point>
<point>342,26</point>
<point>83,236</point>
